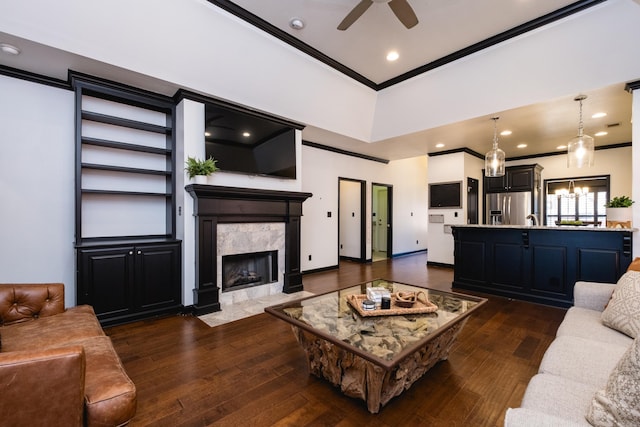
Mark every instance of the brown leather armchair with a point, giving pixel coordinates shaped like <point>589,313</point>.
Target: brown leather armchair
<point>57,367</point>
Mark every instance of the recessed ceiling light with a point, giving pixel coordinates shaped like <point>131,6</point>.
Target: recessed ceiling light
<point>561,147</point>
<point>9,48</point>
<point>439,145</point>
<point>392,56</point>
<point>598,115</point>
<point>521,145</point>
<point>246,134</point>
<point>296,23</point>
<point>601,133</point>
<point>506,133</point>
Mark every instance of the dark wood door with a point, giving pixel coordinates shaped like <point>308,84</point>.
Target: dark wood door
<point>520,179</point>
<point>157,276</point>
<point>106,280</point>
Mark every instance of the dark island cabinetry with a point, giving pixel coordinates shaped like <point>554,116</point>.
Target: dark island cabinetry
<point>539,264</point>
<point>130,282</point>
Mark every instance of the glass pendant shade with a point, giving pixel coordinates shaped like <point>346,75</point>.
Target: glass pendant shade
<point>581,149</point>
<point>580,152</point>
<point>494,162</point>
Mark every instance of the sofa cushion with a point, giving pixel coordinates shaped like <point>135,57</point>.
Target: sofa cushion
<point>559,397</point>
<point>635,265</point>
<point>623,311</point>
<point>581,360</point>
<point>585,323</point>
<point>619,403</point>
<point>110,395</point>
<point>74,324</point>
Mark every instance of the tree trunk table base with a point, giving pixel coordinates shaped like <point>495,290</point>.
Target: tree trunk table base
<point>361,378</point>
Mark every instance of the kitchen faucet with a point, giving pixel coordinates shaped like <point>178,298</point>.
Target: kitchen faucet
<point>533,218</point>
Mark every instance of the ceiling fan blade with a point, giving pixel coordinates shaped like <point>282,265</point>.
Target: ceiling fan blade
<point>355,13</point>
<point>404,12</point>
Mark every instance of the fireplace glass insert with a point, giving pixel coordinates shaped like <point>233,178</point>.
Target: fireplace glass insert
<point>250,269</point>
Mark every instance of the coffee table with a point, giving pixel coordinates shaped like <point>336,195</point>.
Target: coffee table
<point>374,357</point>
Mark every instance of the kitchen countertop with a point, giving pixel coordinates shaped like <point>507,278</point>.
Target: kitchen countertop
<point>544,227</point>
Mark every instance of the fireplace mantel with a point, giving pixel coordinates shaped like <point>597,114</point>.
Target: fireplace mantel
<point>216,204</point>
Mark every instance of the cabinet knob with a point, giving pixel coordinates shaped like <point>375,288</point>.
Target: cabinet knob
<point>139,252</point>
<point>130,252</point>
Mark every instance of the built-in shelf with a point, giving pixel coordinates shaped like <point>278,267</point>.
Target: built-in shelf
<point>125,193</point>
<point>128,257</point>
<point>124,146</point>
<point>126,169</point>
<point>119,121</point>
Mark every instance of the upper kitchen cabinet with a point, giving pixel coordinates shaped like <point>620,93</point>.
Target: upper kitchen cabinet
<point>516,178</point>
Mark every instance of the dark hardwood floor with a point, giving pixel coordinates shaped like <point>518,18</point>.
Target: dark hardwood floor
<point>253,373</point>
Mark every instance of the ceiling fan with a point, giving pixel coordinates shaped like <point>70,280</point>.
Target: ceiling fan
<point>400,8</point>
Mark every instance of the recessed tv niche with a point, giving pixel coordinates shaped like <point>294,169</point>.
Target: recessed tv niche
<point>445,195</point>
<point>250,143</point>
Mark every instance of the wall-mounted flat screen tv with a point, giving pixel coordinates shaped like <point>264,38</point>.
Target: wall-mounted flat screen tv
<point>445,195</point>
<point>250,144</point>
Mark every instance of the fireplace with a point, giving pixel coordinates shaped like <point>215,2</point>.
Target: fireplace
<point>231,221</point>
<point>249,269</point>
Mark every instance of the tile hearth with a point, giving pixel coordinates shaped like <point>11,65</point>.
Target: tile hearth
<point>240,310</point>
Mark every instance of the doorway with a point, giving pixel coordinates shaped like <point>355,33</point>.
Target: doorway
<point>351,219</point>
<point>472,201</point>
<point>381,229</point>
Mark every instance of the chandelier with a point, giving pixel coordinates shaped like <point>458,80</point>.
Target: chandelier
<point>572,192</point>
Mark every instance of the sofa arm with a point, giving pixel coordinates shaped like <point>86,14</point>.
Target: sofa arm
<point>524,417</point>
<point>26,301</point>
<point>43,387</point>
<point>592,295</point>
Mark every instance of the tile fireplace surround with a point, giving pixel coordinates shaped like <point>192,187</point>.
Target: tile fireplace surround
<point>248,217</point>
<point>239,238</point>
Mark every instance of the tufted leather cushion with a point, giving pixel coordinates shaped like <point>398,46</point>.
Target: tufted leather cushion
<point>19,303</point>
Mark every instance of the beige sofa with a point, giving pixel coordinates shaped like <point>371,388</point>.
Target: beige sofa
<point>57,367</point>
<point>577,364</point>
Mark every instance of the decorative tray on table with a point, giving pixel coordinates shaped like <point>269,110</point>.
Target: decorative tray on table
<point>401,303</point>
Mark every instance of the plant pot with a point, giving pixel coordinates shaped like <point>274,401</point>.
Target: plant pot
<point>619,217</point>
<point>200,179</point>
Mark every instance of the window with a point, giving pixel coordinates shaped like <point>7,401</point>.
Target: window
<point>571,200</point>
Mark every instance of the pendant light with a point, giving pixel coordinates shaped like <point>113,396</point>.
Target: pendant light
<point>495,159</point>
<point>580,150</point>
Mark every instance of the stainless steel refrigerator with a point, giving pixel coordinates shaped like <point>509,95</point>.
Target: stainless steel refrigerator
<point>508,208</point>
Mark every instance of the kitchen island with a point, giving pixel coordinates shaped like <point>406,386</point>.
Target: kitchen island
<point>537,263</point>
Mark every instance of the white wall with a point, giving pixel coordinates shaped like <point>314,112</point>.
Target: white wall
<point>615,162</point>
<point>37,185</point>
<point>321,170</point>
<point>445,168</point>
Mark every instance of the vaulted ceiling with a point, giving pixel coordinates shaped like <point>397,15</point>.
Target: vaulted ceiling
<point>447,30</point>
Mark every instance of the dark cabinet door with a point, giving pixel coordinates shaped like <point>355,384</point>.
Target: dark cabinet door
<point>126,283</point>
<point>157,276</point>
<point>106,278</point>
<point>520,179</point>
<point>495,184</point>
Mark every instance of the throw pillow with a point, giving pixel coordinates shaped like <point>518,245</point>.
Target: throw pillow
<point>635,265</point>
<point>623,310</point>
<point>619,403</point>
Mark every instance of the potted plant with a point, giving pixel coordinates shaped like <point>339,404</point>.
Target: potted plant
<point>618,213</point>
<point>199,170</point>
